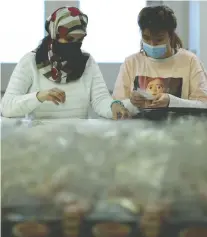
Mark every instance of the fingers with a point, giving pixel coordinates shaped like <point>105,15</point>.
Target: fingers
<point>115,116</point>
<point>54,99</point>
<point>154,106</point>
<point>137,100</point>
<point>126,114</point>
<point>59,94</point>
<point>121,115</point>
<point>136,94</point>
<point>155,103</point>
<point>56,95</point>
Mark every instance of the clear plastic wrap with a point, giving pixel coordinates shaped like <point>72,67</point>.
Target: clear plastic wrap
<point>151,171</point>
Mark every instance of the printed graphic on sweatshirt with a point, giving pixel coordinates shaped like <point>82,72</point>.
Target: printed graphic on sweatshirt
<point>157,85</point>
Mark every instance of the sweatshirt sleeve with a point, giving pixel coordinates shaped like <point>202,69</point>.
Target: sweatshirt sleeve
<point>122,88</point>
<point>101,99</point>
<point>197,90</point>
<point>17,102</point>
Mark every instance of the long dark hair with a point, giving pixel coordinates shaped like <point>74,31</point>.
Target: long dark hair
<point>160,18</point>
<point>42,51</point>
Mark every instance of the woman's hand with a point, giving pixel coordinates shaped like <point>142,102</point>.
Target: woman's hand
<point>161,100</point>
<point>119,112</point>
<point>55,95</point>
<point>138,100</point>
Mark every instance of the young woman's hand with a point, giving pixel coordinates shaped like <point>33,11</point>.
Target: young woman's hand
<point>54,95</point>
<point>138,100</point>
<point>161,100</point>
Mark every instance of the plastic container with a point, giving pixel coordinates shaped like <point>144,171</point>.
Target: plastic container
<point>127,178</point>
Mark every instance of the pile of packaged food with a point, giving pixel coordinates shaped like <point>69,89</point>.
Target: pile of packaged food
<point>105,179</point>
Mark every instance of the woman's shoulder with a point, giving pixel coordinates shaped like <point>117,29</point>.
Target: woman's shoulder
<point>90,60</point>
<point>194,61</point>
<point>90,66</point>
<point>134,60</point>
<point>27,58</point>
<point>187,58</point>
<point>185,55</point>
<point>134,57</point>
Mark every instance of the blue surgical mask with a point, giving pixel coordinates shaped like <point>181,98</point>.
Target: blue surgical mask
<point>155,51</point>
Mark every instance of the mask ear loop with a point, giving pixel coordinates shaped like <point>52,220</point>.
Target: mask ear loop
<point>174,50</point>
<point>142,50</point>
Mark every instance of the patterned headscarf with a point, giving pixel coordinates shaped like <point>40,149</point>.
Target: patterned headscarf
<point>60,24</point>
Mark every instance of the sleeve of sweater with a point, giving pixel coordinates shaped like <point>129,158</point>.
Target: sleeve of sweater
<point>17,102</point>
<point>100,97</point>
<point>198,88</point>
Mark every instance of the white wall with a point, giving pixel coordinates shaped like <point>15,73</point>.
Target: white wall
<point>203,32</point>
<point>181,9</point>
<point>110,71</point>
<point>194,29</point>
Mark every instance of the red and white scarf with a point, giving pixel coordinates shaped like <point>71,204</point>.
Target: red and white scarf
<point>60,24</point>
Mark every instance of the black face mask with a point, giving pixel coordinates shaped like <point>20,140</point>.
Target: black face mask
<point>68,51</point>
<point>71,52</point>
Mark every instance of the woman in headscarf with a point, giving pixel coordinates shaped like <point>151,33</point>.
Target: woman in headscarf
<point>59,73</point>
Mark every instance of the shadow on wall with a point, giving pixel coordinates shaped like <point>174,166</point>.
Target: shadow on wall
<point>2,93</point>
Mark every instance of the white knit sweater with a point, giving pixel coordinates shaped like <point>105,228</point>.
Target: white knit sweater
<point>20,97</point>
